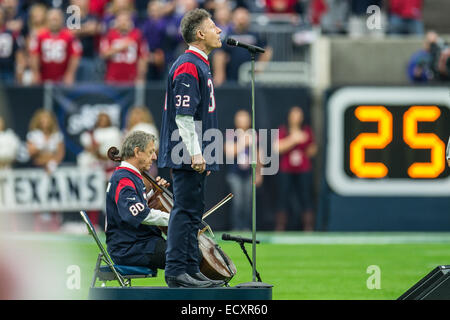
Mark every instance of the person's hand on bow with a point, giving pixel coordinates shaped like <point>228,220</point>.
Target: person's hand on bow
<point>162,182</point>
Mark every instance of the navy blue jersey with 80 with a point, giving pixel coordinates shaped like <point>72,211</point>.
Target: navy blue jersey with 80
<point>189,91</point>
<point>128,240</point>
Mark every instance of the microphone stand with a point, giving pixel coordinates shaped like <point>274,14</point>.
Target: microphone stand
<point>254,283</point>
<point>241,243</point>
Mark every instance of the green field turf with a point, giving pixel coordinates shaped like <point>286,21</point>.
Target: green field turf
<point>300,266</point>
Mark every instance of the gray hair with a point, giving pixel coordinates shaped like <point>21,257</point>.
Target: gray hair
<point>135,139</point>
<point>191,22</point>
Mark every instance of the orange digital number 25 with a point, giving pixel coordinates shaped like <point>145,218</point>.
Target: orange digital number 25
<point>383,137</point>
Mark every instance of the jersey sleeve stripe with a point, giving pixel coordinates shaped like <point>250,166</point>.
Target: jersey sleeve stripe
<point>125,182</point>
<point>188,68</point>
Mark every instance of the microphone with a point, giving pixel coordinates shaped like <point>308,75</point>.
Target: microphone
<point>228,237</point>
<point>254,49</point>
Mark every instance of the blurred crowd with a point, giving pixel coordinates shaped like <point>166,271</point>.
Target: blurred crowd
<point>131,41</point>
<point>360,17</point>
<point>44,145</point>
<point>117,41</point>
<point>431,62</point>
<point>45,149</point>
<point>297,149</point>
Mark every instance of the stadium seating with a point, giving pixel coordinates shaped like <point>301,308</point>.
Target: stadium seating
<point>123,274</point>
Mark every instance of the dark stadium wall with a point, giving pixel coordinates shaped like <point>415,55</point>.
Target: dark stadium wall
<point>272,105</point>
<point>334,211</point>
<point>75,106</point>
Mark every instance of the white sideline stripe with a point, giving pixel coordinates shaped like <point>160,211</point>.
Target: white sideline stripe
<point>327,238</point>
<point>349,237</point>
<point>352,238</point>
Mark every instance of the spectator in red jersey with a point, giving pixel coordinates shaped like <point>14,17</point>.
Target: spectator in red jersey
<point>317,9</point>
<point>55,52</point>
<point>296,147</point>
<point>282,6</point>
<point>97,8</point>
<point>125,52</point>
<point>405,17</point>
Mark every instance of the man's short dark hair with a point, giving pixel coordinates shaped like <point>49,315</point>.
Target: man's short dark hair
<point>191,22</point>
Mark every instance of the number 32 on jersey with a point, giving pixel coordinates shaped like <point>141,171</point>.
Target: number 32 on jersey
<point>184,100</point>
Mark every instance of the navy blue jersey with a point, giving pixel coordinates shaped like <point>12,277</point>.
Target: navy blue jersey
<point>128,240</point>
<point>189,91</point>
<point>9,45</point>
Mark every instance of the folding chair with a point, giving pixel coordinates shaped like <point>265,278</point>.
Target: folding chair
<point>123,274</point>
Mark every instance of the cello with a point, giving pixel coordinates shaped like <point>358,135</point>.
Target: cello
<point>214,262</point>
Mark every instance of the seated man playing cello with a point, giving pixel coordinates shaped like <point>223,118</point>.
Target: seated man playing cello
<point>132,233</point>
<point>133,226</point>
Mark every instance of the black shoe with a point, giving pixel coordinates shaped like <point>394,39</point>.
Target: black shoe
<point>186,281</point>
<point>201,277</point>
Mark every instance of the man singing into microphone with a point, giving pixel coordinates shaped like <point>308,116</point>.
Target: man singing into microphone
<point>190,109</point>
<point>227,60</point>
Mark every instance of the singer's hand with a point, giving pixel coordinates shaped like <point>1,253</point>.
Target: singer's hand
<point>198,163</point>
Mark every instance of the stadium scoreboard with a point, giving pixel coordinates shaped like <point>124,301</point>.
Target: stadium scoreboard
<point>388,141</point>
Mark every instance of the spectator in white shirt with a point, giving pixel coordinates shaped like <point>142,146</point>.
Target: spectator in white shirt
<point>46,148</point>
<point>45,142</point>
<point>140,118</point>
<point>96,143</point>
<point>9,145</point>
